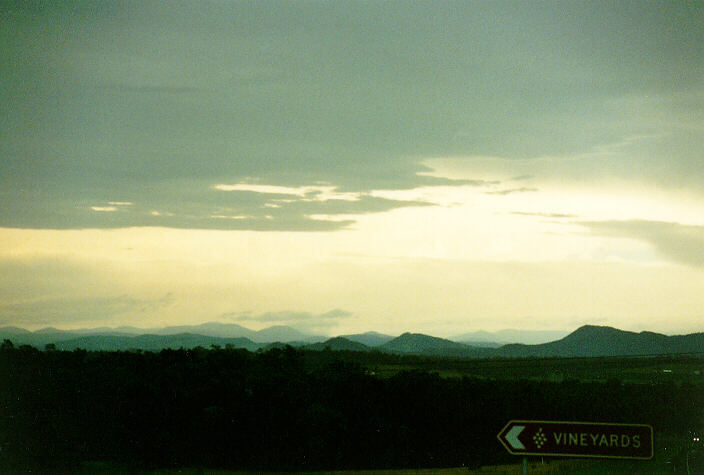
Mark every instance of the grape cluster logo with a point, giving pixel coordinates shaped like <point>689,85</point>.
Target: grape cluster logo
<point>540,438</point>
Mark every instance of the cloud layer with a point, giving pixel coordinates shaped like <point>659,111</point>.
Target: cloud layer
<point>156,105</point>
<point>301,320</point>
<point>676,242</point>
<point>425,166</point>
<point>62,310</point>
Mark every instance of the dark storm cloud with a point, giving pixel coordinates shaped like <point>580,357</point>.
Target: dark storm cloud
<point>155,103</point>
<point>189,205</point>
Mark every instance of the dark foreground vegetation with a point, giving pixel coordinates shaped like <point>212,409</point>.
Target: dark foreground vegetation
<point>288,409</point>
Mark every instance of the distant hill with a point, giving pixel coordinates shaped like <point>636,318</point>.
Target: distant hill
<point>151,342</point>
<point>284,334</point>
<point>503,337</point>
<point>279,333</point>
<point>369,338</point>
<point>417,343</point>
<point>50,331</point>
<point>129,329</point>
<point>13,331</point>
<point>591,340</point>
<point>222,330</point>
<point>481,344</point>
<point>336,344</point>
<point>105,331</point>
<point>111,342</point>
<point>37,339</point>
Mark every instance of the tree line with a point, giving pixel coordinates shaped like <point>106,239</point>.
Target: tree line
<point>287,409</point>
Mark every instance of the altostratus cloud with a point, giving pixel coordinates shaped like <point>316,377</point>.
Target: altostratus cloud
<point>676,242</point>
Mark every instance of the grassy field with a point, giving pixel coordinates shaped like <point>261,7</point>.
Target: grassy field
<point>644,370</point>
<point>180,411</point>
<point>535,466</point>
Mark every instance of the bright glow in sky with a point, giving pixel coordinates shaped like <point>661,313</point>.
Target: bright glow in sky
<point>343,167</point>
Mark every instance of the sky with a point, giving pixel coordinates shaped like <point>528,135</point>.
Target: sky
<point>339,167</point>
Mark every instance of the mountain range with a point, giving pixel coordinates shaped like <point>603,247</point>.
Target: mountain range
<point>588,340</point>
<point>279,333</point>
<point>503,337</point>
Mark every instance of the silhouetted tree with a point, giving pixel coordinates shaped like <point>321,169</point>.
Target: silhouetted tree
<point>288,410</point>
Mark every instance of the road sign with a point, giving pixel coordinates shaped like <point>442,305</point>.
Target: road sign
<point>578,439</point>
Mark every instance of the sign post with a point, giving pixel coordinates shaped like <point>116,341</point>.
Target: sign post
<point>578,439</point>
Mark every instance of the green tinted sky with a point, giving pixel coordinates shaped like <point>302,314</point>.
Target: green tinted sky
<point>180,162</point>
